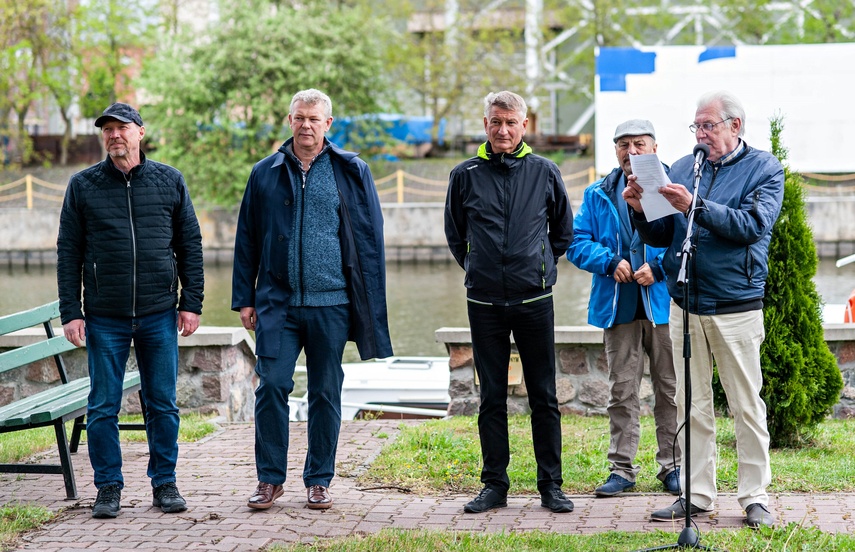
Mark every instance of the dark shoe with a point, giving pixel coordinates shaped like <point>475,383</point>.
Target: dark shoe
<point>672,482</point>
<point>676,511</point>
<point>555,500</point>
<point>107,504</point>
<point>487,499</point>
<point>318,497</point>
<point>614,485</point>
<point>168,498</point>
<point>264,496</point>
<point>758,514</point>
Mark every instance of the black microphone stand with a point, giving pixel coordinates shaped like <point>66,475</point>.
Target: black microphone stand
<point>689,536</point>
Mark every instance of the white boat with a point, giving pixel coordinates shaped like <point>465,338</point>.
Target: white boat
<point>833,314</point>
<point>399,387</point>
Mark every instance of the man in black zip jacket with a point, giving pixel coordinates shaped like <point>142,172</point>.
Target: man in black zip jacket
<point>129,236</point>
<point>507,222</point>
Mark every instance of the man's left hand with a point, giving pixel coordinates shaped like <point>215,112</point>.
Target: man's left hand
<point>188,322</point>
<point>644,275</point>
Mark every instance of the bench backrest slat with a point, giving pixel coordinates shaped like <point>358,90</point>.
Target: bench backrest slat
<point>20,320</point>
<point>35,351</point>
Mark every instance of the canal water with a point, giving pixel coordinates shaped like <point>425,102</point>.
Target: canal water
<point>422,298</point>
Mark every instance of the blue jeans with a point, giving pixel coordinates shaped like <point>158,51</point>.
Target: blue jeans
<point>108,341</point>
<point>322,332</point>
<point>533,328</point>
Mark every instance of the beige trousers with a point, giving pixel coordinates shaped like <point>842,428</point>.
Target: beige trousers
<point>626,347</point>
<point>733,341</point>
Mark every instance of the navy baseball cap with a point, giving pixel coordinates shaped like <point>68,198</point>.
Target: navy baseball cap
<point>120,112</point>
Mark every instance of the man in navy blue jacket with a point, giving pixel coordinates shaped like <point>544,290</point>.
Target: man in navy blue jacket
<point>309,273</point>
<point>629,300</point>
<point>739,195</point>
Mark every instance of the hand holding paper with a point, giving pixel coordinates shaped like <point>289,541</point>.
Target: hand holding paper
<point>651,176</point>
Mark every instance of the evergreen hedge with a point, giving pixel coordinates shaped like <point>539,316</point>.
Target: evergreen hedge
<point>801,379</point>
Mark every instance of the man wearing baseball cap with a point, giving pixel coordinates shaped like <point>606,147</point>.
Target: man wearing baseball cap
<point>629,300</point>
<point>128,241</point>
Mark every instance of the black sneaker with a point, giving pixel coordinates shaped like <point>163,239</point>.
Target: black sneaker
<point>168,498</point>
<point>487,499</point>
<point>555,500</point>
<point>107,504</point>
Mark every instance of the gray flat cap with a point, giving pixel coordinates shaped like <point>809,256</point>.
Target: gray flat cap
<point>635,127</point>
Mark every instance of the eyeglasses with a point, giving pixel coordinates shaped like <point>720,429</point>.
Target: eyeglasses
<point>707,127</point>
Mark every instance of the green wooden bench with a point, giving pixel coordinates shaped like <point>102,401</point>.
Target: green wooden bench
<point>54,406</point>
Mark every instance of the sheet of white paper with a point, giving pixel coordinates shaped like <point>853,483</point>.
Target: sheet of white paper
<point>651,175</point>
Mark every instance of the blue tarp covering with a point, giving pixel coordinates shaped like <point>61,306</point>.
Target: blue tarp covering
<point>410,130</point>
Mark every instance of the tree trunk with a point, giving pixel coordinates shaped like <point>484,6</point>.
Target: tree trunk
<point>66,137</point>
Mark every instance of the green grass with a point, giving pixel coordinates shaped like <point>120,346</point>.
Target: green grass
<point>790,538</point>
<point>445,456</point>
<point>18,445</point>
<point>193,427</point>
<point>18,518</point>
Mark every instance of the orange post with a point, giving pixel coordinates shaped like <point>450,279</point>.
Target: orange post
<point>400,176</point>
<point>849,314</point>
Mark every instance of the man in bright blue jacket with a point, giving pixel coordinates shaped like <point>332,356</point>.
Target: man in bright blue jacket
<point>309,273</point>
<point>629,300</point>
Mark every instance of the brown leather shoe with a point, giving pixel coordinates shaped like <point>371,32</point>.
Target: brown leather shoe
<point>264,496</point>
<point>319,497</point>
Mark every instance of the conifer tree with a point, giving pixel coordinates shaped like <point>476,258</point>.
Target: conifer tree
<point>801,379</point>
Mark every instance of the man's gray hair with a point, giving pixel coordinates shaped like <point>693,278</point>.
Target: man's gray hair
<point>731,107</point>
<point>312,97</point>
<point>505,100</point>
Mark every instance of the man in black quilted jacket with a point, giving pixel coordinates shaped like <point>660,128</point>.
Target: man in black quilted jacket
<point>129,240</point>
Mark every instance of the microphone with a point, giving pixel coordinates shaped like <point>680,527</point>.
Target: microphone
<point>700,152</point>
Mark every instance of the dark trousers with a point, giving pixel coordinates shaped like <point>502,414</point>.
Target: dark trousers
<point>322,332</point>
<point>532,325</point>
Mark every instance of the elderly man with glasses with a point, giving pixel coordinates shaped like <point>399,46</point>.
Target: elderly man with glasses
<point>739,198</point>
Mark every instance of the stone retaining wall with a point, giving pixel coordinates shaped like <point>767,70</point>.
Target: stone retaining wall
<point>215,372</point>
<point>582,381</point>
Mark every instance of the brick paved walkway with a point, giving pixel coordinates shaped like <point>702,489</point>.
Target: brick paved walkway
<point>217,475</point>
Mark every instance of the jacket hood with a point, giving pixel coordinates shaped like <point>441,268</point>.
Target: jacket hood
<point>486,152</point>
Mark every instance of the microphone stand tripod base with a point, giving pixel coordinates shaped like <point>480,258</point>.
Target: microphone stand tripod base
<point>689,538</point>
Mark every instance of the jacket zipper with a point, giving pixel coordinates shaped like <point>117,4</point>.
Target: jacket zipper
<point>617,284</point>
<point>693,281</point>
<point>301,268</point>
<point>648,307</point>
<point>542,265</point>
<point>505,233</point>
<point>133,247</point>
